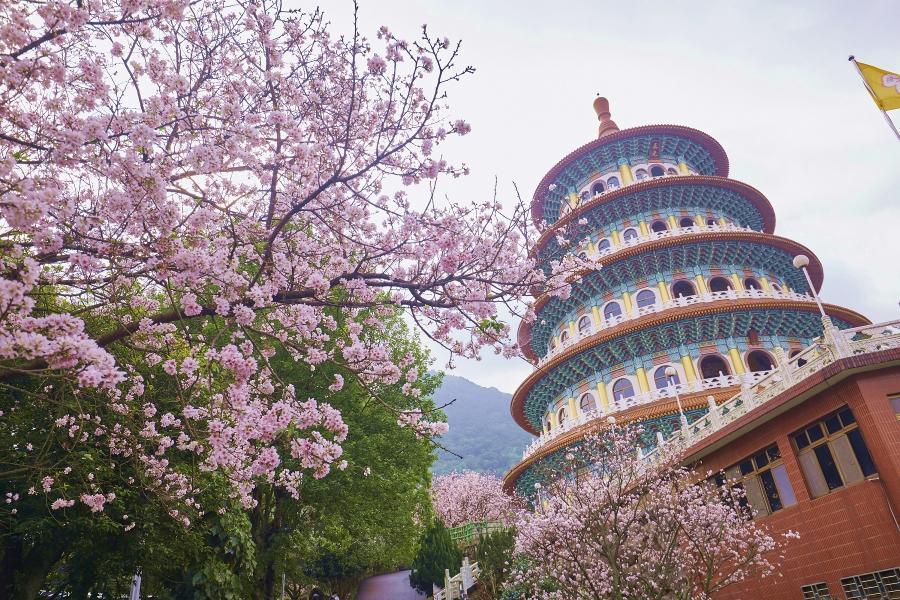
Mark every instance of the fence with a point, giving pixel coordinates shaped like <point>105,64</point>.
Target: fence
<point>458,586</point>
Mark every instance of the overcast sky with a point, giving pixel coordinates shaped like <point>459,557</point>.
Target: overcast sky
<point>770,82</point>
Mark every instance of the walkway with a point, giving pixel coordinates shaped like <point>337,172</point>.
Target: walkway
<point>390,586</point>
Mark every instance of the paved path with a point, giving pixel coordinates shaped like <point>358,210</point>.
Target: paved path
<point>390,586</point>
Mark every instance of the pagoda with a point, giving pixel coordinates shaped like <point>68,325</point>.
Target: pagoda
<point>690,317</point>
<point>686,295</point>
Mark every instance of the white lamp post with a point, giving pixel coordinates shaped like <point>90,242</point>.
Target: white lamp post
<point>671,373</point>
<point>801,261</point>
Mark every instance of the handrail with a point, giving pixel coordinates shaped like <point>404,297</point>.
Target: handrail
<point>834,345</point>
<point>455,585</point>
<point>756,388</point>
<point>668,304</point>
<point>618,405</point>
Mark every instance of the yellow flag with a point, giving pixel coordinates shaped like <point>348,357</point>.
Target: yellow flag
<point>883,85</point>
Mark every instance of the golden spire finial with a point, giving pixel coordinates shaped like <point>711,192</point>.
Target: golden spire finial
<point>607,125</point>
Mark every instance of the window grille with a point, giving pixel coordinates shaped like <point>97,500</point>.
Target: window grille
<point>882,585</point>
<point>816,591</point>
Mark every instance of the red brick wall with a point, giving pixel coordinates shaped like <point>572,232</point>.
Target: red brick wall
<point>849,531</point>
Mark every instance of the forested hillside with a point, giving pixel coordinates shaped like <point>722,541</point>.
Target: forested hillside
<point>481,429</point>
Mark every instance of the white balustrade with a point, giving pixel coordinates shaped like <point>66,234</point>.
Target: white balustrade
<point>756,388</point>
<point>669,304</point>
<point>834,345</point>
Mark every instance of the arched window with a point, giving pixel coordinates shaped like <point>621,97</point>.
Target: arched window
<point>758,360</point>
<point>603,245</point>
<point>586,402</point>
<point>686,222</point>
<point>585,195</point>
<point>582,255</point>
<point>719,284</point>
<point>776,287</point>
<point>612,183</point>
<point>645,298</point>
<point>711,222</point>
<point>683,288</point>
<point>713,365</point>
<point>564,336</point>
<point>597,188</point>
<point>629,234</point>
<point>661,381</point>
<point>800,361</point>
<point>671,171</point>
<point>657,171</point>
<point>622,388</point>
<point>561,415</point>
<point>552,343</point>
<point>584,324</point>
<point>640,174</point>
<point>612,310</point>
<point>659,226</point>
<point>751,283</point>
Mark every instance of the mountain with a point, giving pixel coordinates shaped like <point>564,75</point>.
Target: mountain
<point>481,429</point>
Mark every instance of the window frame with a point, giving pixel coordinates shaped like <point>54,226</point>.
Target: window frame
<point>750,473</point>
<point>831,440</point>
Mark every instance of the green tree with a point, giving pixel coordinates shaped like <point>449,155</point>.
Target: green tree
<point>494,554</point>
<point>436,553</point>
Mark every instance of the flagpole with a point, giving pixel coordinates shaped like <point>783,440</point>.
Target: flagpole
<point>874,97</point>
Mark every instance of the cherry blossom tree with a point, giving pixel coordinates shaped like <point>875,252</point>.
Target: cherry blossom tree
<point>195,185</point>
<point>469,497</point>
<point>615,526</point>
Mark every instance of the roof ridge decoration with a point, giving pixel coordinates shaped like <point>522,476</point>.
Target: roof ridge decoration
<point>607,125</point>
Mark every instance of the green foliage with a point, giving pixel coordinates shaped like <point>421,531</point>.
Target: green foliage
<point>437,552</point>
<point>341,529</point>
<point>494,554</point>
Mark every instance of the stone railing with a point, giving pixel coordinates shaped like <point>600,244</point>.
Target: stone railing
<point>669,233</point>
<point>618,405</point>
<point>834,345</point>
<point>668,304</point>
<point>457,586</point>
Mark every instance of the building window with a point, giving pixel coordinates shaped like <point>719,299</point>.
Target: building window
<point>832,453</point>
<point>659,226</point>
<point>710,222</point>
<point>882,585</point>
<point>686,222</point>
<point>719,284</point>
<point>800,361</point>
<point>758,361</point>
<point>645,298</point>
<point>584,324</point>
<point>661,381</point>
<point>561,415</point>
<point>598,188</point>
<point>671,171</point>
<point>640,174</point>
<point>629,234</point>
<point>582,255</point>
<point>657,171</point>
<point>776,287</point>
<point>586,402</point>
<point>612,183</point>
<point>683,288</point>
<point>713,365</point>
<point>612,310</point>
<point>765,481</point>
<point>816,591</point>
<point>622,389</point>
<point>895,403</point>
<point>603,245</point>
<point>751,283</point>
